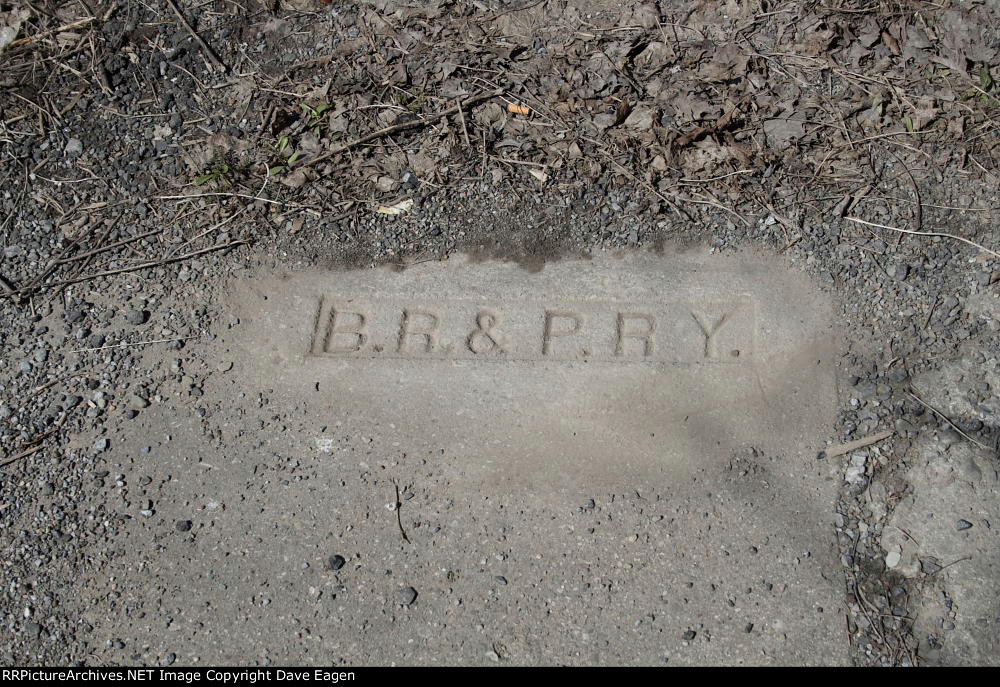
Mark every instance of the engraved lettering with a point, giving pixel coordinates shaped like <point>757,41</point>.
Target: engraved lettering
<point>418,324</point>
<point>551,332</point>
<point>345,322</point>
<point>483,339</point>
<point>600,332</point>
<point>709,331</point>
<point>317,321</point>
<point>624,332</point>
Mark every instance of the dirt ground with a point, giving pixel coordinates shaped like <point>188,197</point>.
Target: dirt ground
<point>158,154</point>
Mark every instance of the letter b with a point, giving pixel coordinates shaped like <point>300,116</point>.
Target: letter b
<point>344,324</point>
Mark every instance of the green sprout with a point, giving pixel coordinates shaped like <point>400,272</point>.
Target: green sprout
<point>414,102</point>
<point>985,80</point>
<point>215,174</point>
<point>315,116</point>
<point>280,147</point>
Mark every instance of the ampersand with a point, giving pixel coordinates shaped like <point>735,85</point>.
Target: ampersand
<point>482,339</point>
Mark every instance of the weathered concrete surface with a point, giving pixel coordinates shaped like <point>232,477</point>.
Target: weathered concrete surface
<point>586,375</point>
<point>608,461</point>
<point>942,532</point>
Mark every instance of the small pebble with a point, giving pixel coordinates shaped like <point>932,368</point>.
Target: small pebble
<point>136,316</point>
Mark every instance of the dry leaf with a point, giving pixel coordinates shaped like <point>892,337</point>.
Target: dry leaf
<point>781,131</point>
<point>386,184</point>
<point>10,25</point>
<point>294,179</point>
<point>641,118</point>
<point>397,208</point>
<point>728,64</point>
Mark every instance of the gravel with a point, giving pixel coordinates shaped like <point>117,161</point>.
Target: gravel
<point>407,596</point>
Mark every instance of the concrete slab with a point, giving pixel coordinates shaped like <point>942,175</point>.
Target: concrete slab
<point>607,461</point>
<point>587,374</point>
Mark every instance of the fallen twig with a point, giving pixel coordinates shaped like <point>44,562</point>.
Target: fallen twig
<point>136,343</point>
<point>151,263</point>
<point>52,382</point>
<point>245,196</point>
<point>104,249</point>
<point>465,129</point>
<point>841,449</point>
<point>399,518</point>
<point>930,313</point>
<point>676,208</point>
<point>945,418</point>
<point>943,567</point>
<point>54,263</point>
<point>194,34</point>
<point>65,27</point>
<point>22,454</point>
<point>718,178</point>
<point>925,233</point>
<point>404,126</point>
<point>919,220</point>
